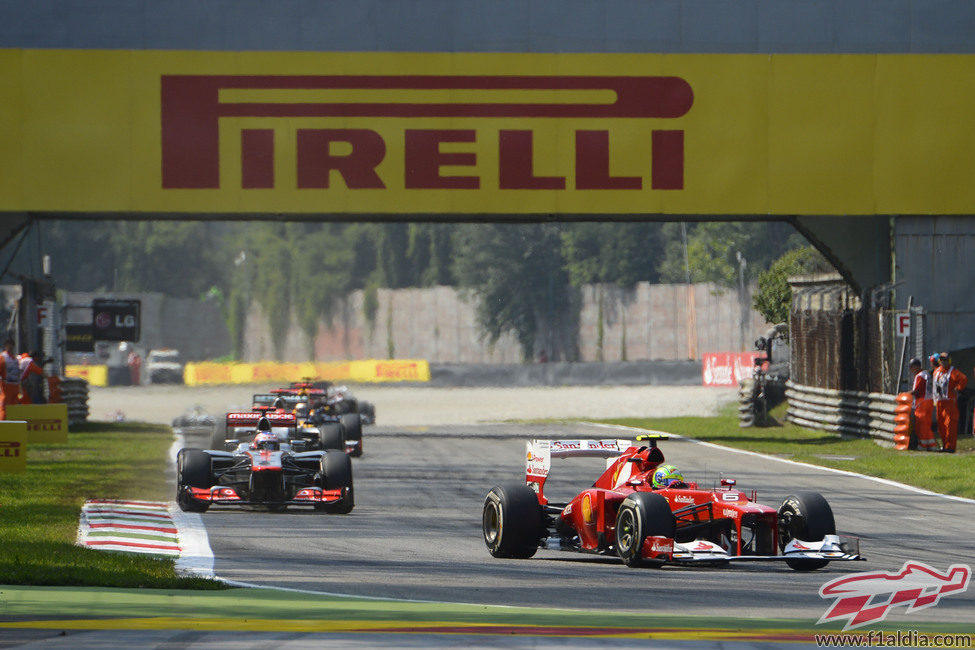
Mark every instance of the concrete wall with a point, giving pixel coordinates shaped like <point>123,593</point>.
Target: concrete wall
<point>439,324</point>
<point>626,373</point>
<point>664,321</point>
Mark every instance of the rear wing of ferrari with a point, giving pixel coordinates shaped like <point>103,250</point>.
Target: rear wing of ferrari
<point>541,452</point>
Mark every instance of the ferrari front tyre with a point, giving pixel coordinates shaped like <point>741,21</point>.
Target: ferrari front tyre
<point>332,436</point>
<point>805,516</point>
<point>336,473</point>
<point>642,515</point>
<point>512,521</point>
<point>193,469</point>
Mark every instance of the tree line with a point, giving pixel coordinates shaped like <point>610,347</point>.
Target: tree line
<point>524,276</point>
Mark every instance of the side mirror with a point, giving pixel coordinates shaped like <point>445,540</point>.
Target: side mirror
<point>728,482</point>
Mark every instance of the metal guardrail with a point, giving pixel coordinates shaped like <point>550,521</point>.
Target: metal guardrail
<point>869,415</point>
<point>74,393</point>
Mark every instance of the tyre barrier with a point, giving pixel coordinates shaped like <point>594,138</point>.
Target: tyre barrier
<point>868,415</point>
<point>74,393</point>
<point>746,403</point>
<point>757,394</point>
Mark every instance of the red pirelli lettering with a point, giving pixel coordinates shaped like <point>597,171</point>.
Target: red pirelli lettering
<point>592,164</point>
<point>257,158</point>
<point>516,167</point>
<point>358,168</point>
<point>424,159</point>
<point>191,109</point>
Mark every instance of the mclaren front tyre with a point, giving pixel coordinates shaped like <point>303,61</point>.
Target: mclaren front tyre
<point>193,469</point>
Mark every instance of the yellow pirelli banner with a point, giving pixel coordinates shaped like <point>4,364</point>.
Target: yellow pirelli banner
<point>270,372</point>
<point>94,375</point>
<point>47,423</point>
<point>13,446</point>
<point>503,134</point>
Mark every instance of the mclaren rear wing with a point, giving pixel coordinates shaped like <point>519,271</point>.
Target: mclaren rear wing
<point>541,452</point>
<point>283,425</point>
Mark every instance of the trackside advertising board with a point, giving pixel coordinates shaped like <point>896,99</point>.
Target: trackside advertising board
<point>13,446</point>
<point>727,368</point>
<point>365,371</point>
<point>45,422</point>
<point>94,375</point>
<point>448,133</point>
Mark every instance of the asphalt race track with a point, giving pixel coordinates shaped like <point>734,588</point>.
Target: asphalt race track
<point>415,532</point>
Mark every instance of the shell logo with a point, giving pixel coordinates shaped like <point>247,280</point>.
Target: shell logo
<point>587,509</point>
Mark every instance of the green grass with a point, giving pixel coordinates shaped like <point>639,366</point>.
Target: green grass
<point>945,473</point>
<point>39,508</point>
<point>272,610</point>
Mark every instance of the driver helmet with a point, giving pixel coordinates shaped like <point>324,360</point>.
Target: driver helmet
<point>667,476</point>
<point>301,410</point>
<point>267,441</point>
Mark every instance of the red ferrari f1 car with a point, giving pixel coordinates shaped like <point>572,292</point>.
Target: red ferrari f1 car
<point>642,511</point>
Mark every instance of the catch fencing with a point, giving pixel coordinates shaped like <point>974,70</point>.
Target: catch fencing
<point>837,341</point>
<point>841,378</point>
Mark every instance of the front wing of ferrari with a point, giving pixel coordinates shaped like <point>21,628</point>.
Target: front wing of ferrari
<point>834,548</point>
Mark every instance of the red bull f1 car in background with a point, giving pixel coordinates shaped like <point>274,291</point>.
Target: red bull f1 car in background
<point>264,469</point>
<point>340,399</point>
<point>317,422</point>
<point>626,515</point>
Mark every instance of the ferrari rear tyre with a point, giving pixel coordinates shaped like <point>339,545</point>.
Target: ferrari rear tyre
<point>193,469</point>
<point>642,515</point>
<point>805,516</point>
<point>512,521</point>
<point>332,436</point>
<point>336,470</point>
